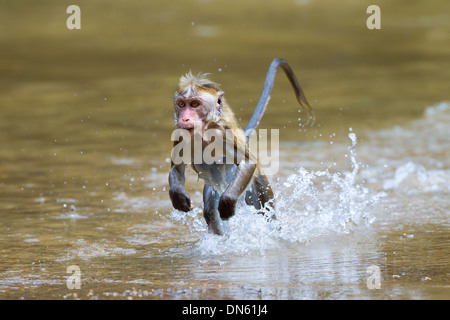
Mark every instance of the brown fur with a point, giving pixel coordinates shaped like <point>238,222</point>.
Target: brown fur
<point>213,112</point>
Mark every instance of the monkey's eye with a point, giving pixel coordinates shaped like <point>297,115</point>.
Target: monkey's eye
<point>194,104</point>
<point>181,104</point>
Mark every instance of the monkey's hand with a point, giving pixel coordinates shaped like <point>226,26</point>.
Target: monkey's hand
<point>227,206</point>
<point>180,199</point>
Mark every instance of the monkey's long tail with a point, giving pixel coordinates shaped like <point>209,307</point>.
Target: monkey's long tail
<point>265,96</point>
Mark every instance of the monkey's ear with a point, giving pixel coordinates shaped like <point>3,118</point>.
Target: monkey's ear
<point>220,101</point>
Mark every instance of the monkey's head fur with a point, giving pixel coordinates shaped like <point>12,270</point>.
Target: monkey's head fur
<point>199,102</point>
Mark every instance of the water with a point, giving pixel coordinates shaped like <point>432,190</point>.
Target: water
<point>332,224</point>
<point>86,118</point>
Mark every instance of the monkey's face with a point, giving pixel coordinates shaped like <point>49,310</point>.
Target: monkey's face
<point>189,112</point>
<point>194,111</point>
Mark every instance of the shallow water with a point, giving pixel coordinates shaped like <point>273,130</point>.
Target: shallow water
<point>86,118</point>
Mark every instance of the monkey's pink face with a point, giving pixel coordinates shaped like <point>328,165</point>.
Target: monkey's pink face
<point>190,112</point>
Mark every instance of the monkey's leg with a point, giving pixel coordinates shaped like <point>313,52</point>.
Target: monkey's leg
<point>260,193</point>
<point>241,179</point>
<point>178,196</point>
<point>210,212</point>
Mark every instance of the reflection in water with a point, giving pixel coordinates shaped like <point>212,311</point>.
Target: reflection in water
<point>86,120</point>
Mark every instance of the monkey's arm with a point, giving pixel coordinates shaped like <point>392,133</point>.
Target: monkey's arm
<point>178,196</point>
<point>240,181</point>
<point>265,96</point>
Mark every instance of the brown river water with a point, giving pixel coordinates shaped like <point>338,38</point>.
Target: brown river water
<point>363,196</point>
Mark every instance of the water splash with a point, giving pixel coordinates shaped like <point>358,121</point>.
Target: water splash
<point>321,202</point>
<point>309,204</point>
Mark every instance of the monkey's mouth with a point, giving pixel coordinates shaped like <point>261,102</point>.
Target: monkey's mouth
<point>186,127</point>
